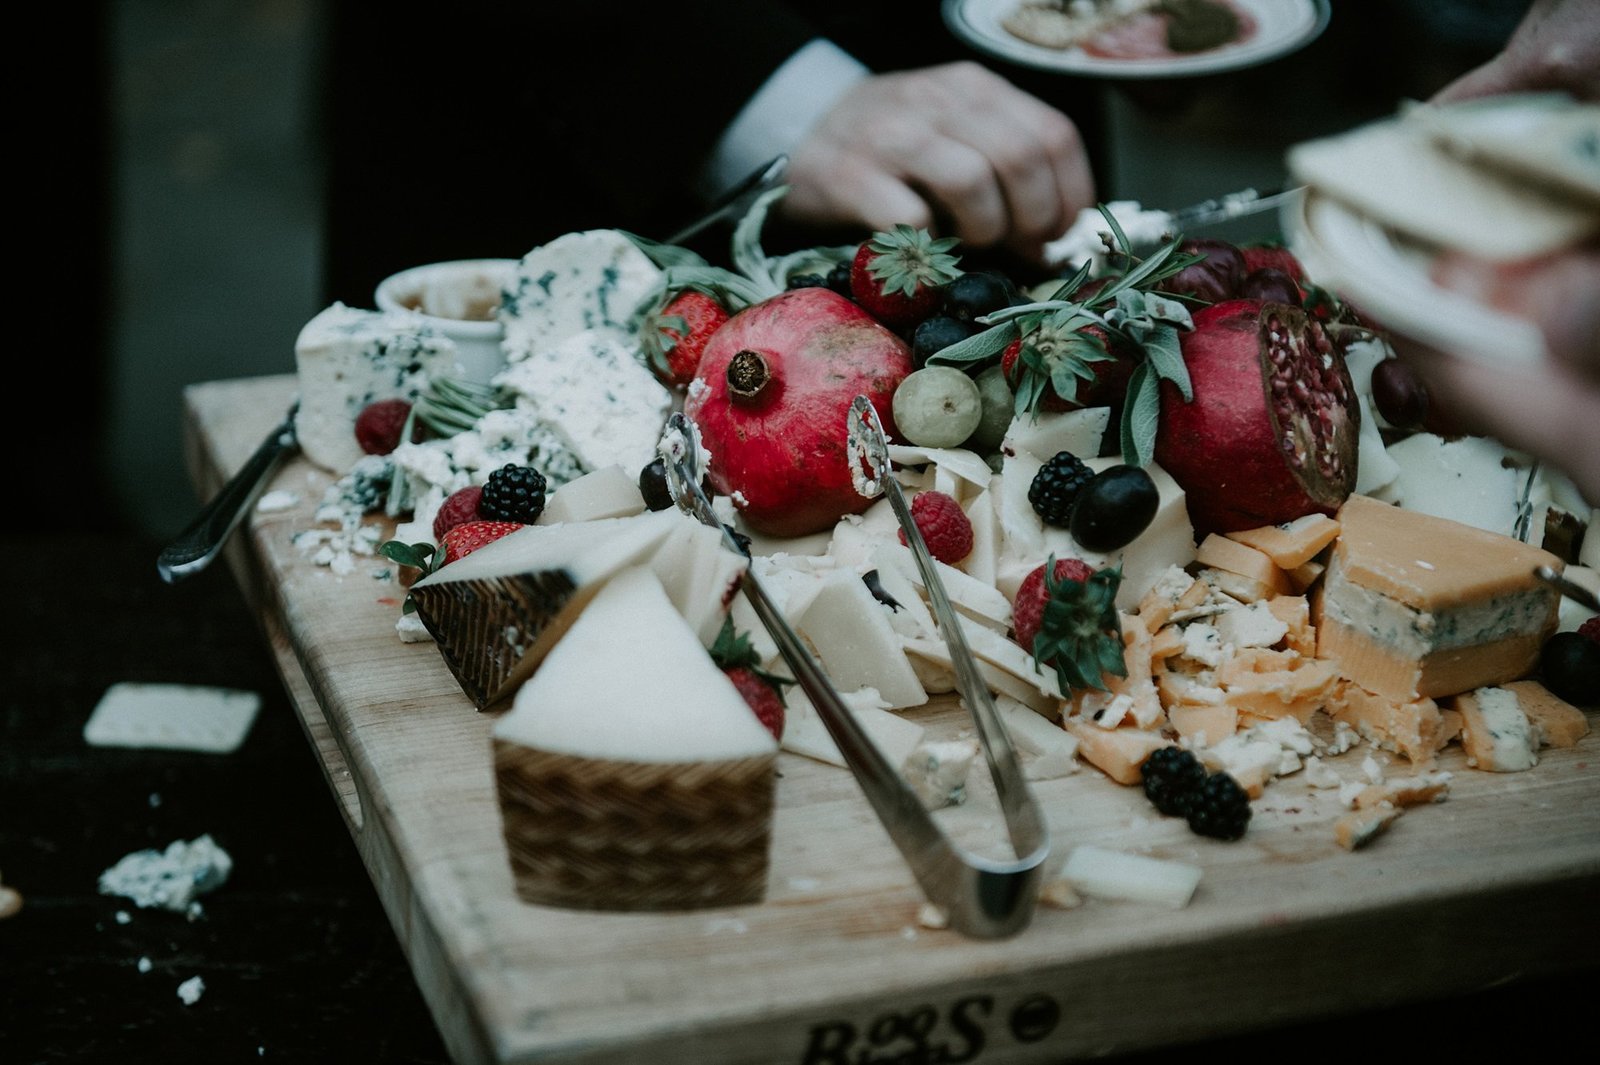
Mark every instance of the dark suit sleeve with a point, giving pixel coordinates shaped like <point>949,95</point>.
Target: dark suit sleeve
<point>486,129</point>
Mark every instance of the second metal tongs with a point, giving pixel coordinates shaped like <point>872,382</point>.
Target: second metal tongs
<point>982,897</point>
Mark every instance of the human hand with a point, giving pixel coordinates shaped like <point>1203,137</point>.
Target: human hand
<point>1551,410</point>
<point>955,149</point>
<point>1556,47</point>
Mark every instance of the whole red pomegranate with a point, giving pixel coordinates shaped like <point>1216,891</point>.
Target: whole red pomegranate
<point>1272,431</point>
<point>772,398</point>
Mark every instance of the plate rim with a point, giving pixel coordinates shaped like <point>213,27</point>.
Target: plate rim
<point>1069,62</point>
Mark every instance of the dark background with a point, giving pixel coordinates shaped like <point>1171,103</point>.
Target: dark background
<point>177,201</point>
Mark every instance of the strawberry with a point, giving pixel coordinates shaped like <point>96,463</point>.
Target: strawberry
<point>898,277</point>
<point>1067,371</point>
<point>460,508</point>
<point>380,425</point>
<point>1590,629</point>
<point>944,526</point>
<point>462,540</point>
<point>1069,622</point>
<point>737,658</point>
<point>677,335</point>
<point>761,695</point>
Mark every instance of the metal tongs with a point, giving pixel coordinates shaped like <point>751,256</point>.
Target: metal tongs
<point>982,897</point>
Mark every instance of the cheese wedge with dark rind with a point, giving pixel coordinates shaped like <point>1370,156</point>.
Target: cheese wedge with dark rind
<point>1415,606</point>
<point>631,774</point>
<point>495,613</point>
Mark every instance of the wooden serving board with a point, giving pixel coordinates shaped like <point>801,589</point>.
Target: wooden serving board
<point>1497,883</point>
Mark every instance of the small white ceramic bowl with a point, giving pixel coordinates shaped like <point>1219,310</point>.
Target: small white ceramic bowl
<point>459,300</point>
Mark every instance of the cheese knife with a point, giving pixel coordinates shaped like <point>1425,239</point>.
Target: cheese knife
<point>194,548</point>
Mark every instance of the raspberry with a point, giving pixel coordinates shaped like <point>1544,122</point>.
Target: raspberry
<point>460,508</point>
<point>1219,808</point>
<point>1027,611</point>
<point>1591,629</point>
<point>379,425</point>
<point>943,524</point>
<point>1172,779</point>
<point>513,493</point>
<point>763,698</point>
<point>1056,486</point>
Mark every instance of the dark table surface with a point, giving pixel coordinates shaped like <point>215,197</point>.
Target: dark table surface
<point>297,955</point>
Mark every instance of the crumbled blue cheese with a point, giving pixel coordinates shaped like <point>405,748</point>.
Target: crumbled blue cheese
<point>191,990</point>
<point>593,280</point>
<point>1249,626</point>
<point>937,771</point>
<point>600,401</point>
<point>172,879</point>
<point>347,358</point>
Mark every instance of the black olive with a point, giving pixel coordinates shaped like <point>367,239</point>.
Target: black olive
<point>1114,508</point>
<point>1569,665</point>
<point>653,486</point>
<point>838,279</point>
<point>974,295</point>
<point>935,334</point>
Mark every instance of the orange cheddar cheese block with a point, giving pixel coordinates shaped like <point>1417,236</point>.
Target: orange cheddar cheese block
<point>1119,753</point>
<point>1358,828</point>
<point>1264,685</point>
<point>1295,612</point>
<point>1415,606</point>
<point>1415,728</point>
<point>1305,575</point>
<point>1292,544</point>
<point>1219,552</point>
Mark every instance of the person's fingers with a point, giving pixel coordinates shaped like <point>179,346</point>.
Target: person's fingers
<point>828,188</point>
<point>1561,293</point>
<point>963,186</point>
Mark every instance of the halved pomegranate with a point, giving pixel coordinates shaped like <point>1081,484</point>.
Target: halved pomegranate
<point>1272,431</point>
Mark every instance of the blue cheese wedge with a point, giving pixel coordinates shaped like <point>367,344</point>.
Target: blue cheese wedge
<point>595,395</point>
<point>591,281</point>
<point>347,358</point>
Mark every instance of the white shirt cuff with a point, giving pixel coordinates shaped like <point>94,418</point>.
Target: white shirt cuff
<point>781,112</point>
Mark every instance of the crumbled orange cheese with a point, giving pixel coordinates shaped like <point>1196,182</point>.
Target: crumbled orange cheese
<point>1293,543</point>
<point>1119,753</point>
<point>1414,728</point>
<point>1219,552</point>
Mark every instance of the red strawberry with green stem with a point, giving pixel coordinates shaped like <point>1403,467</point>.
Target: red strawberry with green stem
<point>677,335</point>
<point>1065,614</point>
<point>739,662</point>
<point>898,276</point>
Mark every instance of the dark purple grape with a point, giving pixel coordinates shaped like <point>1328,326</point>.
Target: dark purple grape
<point>1270,283</point>
<point>1399,394</point>
<point>1213,279</point>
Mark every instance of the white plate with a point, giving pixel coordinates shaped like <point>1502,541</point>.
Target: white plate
<point>1386,277</point>
<point>1282,26</point>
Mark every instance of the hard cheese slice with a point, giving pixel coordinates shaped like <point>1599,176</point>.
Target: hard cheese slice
<point>1418,606</point>
<point>631,773</point>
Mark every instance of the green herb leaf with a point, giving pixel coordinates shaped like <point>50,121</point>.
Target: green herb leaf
<point>665,256</point>
<point>417,556</point>
<point>1164,354</point>
<point>1141,416</point>
<point>978,347</point>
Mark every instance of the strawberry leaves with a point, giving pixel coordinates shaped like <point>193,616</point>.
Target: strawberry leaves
<point>1080,632</point>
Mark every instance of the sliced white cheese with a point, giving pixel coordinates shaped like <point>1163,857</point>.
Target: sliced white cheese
<point>172,716</point>
<point>937,771</point>
<point>662,700</point>
<point>1051,751</point>
<point>805,733</point>
<point>1047,433</point>
<point>1101,872</point>
<point>977,600</point>
<point>609,492</point>
<point>1473,480</point>
<point>858,647</point>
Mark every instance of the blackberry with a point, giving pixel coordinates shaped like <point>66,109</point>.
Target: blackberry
<point>1219,808</point>
<point>1056,486</point>
<point>513,493</point>
<point>807,281</point>
<point>1172,779</point>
